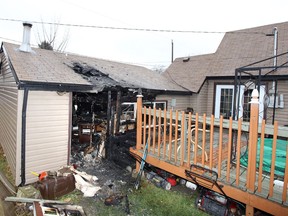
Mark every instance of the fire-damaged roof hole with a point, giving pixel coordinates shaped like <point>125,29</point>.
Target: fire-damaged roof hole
<point>94,75</point>
<point>87,70</point>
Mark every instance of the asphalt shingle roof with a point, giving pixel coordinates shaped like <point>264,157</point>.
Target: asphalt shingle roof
<point>52,67</point>
<point>237,49</point>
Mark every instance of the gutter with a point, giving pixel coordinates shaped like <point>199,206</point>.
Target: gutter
<point>23,138</point>
<point>44,86</point>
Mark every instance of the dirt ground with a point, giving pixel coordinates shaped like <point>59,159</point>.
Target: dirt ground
<point>6,209</point>
<point>114,177</point>
<point>113,180</point>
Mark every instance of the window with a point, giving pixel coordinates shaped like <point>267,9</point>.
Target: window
<point>226,102</point>
<point>128,111</point>
<point>156,104</point>
<point>224,99</point>
<point>246,105</point>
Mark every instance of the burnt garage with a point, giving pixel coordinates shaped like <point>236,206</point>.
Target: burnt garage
<point>55,105</point>
<point>104,121</point>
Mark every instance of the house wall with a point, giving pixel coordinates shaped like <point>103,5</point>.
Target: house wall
<point>181,102</point>
<point>199,101</point>
<point>208,91</point>
<point>47,132</point>
<point>281,114</point>
<point>9,120</point>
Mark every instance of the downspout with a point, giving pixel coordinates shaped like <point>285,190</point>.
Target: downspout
<point>274,88</point>
<point>23,138</point>
<point>275,47</point>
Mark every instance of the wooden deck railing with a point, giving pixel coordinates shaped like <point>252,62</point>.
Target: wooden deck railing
<point>181,139</point>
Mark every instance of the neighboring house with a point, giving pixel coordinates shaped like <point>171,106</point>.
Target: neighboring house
<point>37,89</point>
<point>211,77</point>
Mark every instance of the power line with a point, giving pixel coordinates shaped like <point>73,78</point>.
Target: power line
<point>130,29</point>
<point>143,64</point>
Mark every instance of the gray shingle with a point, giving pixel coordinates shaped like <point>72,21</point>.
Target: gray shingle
<point>52,67</point>
<point>237,49</point>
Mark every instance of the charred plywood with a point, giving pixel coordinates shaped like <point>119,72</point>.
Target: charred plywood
<point>99,79</point>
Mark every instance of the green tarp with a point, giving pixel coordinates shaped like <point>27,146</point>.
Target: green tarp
<point>280,156</point>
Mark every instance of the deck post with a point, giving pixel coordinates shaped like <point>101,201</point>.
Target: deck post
<point>253,137</point>
<point>139,124</point>
<point>249,210</point>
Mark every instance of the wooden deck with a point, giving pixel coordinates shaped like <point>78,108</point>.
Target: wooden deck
<point>214,147</point>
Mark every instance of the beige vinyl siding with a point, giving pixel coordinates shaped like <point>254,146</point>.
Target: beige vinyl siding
<point>199,101</point>
<point>182,101</point>
<point>8,117</point>
<point>47,132</point>
<point>211,96</point>
<point>281,114</point>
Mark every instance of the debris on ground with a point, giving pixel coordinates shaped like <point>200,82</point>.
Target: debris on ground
<point>47,209</point>
<point>28,191</point>
<point>158,180</point>
<point>87,188</point>
<point>55,186</point>
<point>41,207</point>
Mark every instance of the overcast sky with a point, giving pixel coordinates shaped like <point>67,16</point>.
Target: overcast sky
<point>146,48</point>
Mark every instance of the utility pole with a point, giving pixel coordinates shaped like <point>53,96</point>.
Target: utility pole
<point>172,51</point>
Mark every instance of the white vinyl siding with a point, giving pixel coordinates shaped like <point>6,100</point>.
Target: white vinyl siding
<point>8,117</point>
<point>47,132</point>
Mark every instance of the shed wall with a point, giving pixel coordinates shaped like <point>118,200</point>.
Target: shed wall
<point>47,132</point>
<point>9,120</point>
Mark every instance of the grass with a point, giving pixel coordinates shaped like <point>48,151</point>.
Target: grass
<point>4,167</point>
<point>148,200</point>
<point>151,200</point>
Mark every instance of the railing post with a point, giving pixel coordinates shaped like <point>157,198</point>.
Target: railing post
<point>253,138</point>
<point>139,124</point>
<point>139,120</point>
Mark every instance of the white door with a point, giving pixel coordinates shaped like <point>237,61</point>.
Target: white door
<point>224,99</point>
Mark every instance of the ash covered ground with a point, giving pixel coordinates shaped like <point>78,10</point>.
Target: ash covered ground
<point>114,173</point>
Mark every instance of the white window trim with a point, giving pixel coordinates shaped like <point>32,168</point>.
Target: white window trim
<point>240,108</point>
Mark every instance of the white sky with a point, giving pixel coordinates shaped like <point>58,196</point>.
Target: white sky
<point>146,48</point>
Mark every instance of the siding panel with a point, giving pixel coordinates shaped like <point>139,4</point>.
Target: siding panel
<point>47,135</point>
<point>281,114</point>
<point>8,116</point>
<point>182,101</point>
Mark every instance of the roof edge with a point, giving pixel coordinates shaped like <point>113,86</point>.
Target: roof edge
<point>32,85</point>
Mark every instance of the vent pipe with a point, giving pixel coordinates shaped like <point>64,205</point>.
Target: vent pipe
<point>275,32</point>
<point>25,46</point>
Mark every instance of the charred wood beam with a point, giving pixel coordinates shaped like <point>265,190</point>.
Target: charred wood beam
<point>108,141</point>
<point>118,111</point>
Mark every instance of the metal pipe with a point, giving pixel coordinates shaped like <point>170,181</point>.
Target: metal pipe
<point>23,137</point>
<point>275,33</point>
<point>274,104</point>
<point>275,46</point>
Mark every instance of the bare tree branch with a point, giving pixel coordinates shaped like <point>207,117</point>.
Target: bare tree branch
<point>50,39</point>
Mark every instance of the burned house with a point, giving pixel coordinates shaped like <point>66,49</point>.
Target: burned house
<point>49,99</point>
